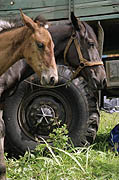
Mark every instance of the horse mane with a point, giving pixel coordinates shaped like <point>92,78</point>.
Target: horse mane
<point>14,23</point>
<point>7,25</point>
<point>40,19</point>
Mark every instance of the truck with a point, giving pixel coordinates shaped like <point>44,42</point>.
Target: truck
<point>22,108</point>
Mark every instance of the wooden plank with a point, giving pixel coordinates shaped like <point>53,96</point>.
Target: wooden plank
<point>97,8</point>
<point>52,13</point>
<point>89,1</point>
<point>92,2</point>
<point>101,17</point>
<point>28,4</point>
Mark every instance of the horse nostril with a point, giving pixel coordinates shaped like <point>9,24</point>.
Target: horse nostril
<point>52,81</point>
<point>43,80</point>
<point>104,83</point>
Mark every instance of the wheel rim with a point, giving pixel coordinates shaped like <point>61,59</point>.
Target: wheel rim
<point>42,111</point>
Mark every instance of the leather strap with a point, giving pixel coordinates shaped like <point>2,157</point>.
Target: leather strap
<point>83,62</point>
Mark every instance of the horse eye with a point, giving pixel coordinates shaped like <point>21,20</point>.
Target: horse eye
<point>40,45</point>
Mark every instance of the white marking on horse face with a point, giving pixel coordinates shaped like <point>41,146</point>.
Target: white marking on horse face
<point>2,143</point>
<point>5,24</point>
<point>1,114</point>
<point>1,131</point>
<point>46,26</point>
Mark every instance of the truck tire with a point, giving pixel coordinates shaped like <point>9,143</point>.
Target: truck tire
<point>32,111</point>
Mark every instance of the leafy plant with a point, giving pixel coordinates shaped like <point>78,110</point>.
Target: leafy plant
<point>96,162</point>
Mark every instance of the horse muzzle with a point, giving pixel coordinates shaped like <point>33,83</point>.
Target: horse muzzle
<point>99,84</point>
<point>49,78</point>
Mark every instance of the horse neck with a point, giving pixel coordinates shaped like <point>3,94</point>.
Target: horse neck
<point>11,43</point>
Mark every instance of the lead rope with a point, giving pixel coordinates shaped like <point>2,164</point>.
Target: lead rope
<point>50,87</point>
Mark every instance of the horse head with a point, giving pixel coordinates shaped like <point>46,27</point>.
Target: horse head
<point>89,54</point>
<point>38,50</point>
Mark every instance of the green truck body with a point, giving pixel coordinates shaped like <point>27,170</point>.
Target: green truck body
<point>55,9</point>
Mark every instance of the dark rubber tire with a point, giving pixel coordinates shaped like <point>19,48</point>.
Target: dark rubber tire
<point>75,103</point>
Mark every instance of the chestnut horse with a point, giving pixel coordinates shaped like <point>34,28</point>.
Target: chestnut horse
<point>34,43</point>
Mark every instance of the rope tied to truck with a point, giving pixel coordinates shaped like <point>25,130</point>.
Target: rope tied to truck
<point>67,83</point>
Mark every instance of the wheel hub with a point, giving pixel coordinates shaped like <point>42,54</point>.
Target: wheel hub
<point>43,115</point>
<point>40,113</point>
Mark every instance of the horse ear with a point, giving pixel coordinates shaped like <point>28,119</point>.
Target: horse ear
<point>74,21</point>
<point>41,21</point>
<point>27,21</point>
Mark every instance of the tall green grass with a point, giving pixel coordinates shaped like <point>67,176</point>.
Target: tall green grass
<point>96,162</point>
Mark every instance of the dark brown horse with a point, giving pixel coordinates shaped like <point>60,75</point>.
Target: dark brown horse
<point>78,44</point>
<point>34,43</point>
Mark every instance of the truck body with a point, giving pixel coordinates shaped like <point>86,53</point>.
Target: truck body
<point>55,10</point>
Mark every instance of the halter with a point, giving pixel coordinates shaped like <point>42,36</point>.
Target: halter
<point>83,62</point>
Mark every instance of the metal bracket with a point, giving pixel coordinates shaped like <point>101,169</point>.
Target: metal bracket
<point>100,38</point>
<point>71,8</point>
